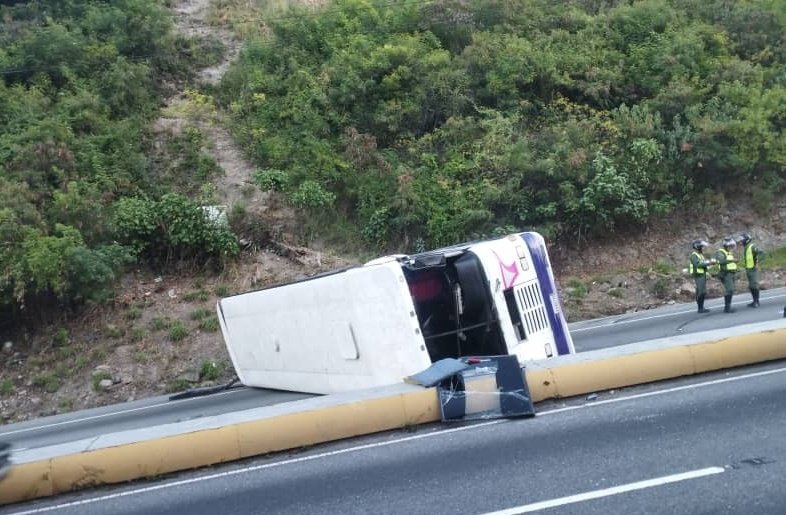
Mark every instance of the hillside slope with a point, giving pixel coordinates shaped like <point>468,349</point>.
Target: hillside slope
<point>160,334</point>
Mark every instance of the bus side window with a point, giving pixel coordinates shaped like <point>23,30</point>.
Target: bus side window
<point>515,317</point>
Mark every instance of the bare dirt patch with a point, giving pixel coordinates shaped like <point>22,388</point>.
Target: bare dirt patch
<point>191,19</point>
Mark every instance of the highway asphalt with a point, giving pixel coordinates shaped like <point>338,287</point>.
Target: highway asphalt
<point>703,444</point>
<point>669,320</point>
<point>673,320</point>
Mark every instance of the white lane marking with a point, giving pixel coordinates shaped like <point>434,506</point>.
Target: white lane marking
<point>338,452</point>
<point>614,320</point>
<point>111,414</point>
<point>606,492</point>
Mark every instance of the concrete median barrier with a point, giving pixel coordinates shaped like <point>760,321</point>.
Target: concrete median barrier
<point>656,360</point>
<point>141,454</point>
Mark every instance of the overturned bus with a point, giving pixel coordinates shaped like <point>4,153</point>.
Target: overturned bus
<point>392,317</point>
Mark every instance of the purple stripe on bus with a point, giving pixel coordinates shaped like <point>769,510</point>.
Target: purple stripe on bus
<point>537,250</point>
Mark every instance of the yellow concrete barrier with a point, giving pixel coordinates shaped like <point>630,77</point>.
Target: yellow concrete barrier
<point>655,365</point>
<point>27,481</point>
<point>353,418</point>
<point>739,350</point>
<point>145,459</point>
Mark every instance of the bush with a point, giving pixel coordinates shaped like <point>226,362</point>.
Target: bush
<point>311,195</point>
<point>271,180</point>
<point>172,228</point>
<point>76,107</point>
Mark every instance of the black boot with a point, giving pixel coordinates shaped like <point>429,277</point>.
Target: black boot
<point>756,296</point>
<point>727,304</point>
<point>755,302</point>
<point>700,302</point>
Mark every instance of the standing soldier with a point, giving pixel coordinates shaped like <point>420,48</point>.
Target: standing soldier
<point>728,271</point>
<point>751,255</point>
<point>697,268</point>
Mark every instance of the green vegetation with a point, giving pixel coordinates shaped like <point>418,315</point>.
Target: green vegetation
<point>435,122</point>
<point>211,370</point>
<point>200,313</point>
<point>661,288</point>
<point>196,295</point>
<point>113,331</point>
<point>48,381</point>
<point>79,363</point>
<point>68,351</point>
<point>388,125</point>
<point>209,324</point>
<point>172,228</point>
<point>177,331</point>
<point>133,313</point>
<point>60,337</point>
<point>137,334</point>
<point>98,377</point>
<point>577,289</point>
<point>664,268</point>
<point>775,258</point>
<point>82,194</point>
<point>99,352</point>
<point>208,321</point>
<point>177,385</point>
<point>66,404</point>
<point>140,356</point>
<point>159,324</point>
<point>6,387</point>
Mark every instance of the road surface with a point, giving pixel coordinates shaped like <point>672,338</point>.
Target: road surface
<point>588,335</point>
<point>706,444</point>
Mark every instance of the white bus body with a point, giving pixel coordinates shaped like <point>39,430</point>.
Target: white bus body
<point>392,317</point>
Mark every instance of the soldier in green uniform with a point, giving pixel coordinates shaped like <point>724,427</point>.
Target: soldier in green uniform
<point>697,268</point>
<point>751,255</point>
<point>728,271</point>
